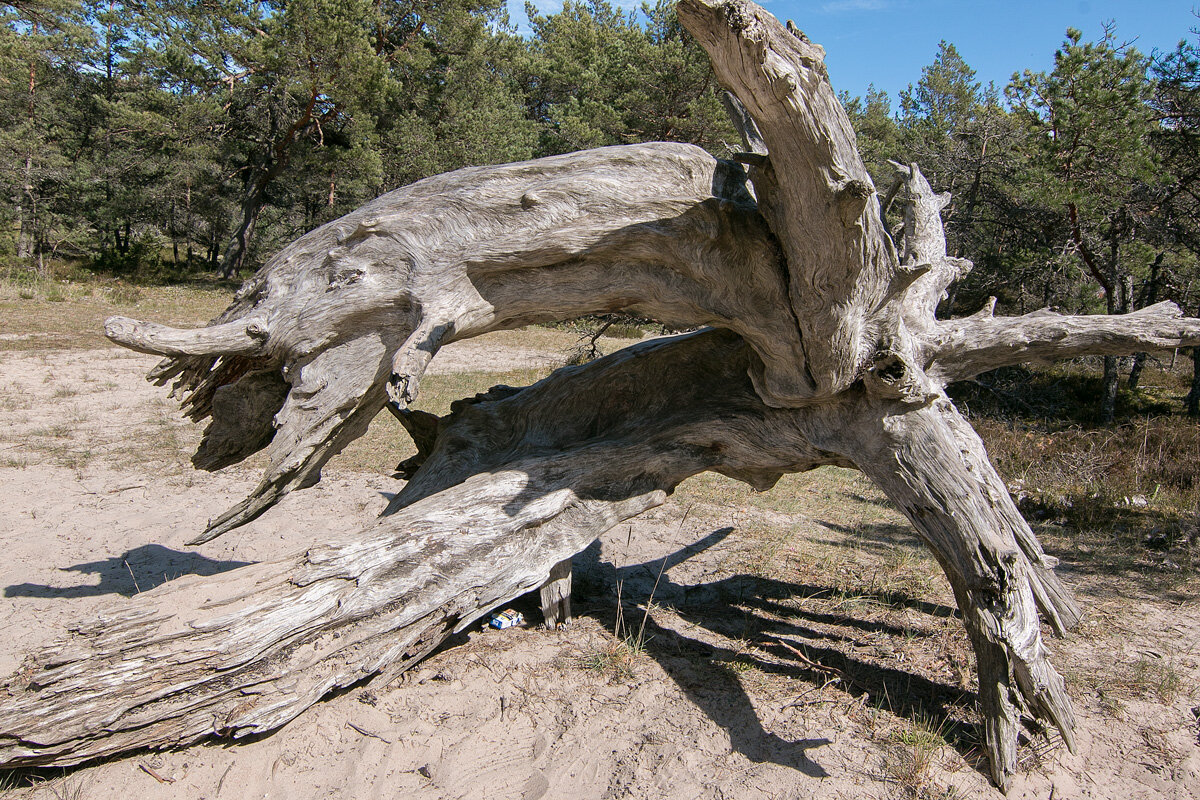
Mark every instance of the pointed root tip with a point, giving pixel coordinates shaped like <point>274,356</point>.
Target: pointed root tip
<point>250,509</point>
<point>1003,781</point>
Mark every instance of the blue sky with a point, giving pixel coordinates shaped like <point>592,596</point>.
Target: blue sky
<point>886,42</point>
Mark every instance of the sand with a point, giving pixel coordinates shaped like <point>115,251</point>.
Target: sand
<point>98,499</point>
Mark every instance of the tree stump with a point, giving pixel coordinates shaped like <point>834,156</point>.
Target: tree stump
<point>824,348</point>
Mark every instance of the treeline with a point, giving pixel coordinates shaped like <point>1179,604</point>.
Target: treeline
<point>1076,188</point>
<point>205,134</point>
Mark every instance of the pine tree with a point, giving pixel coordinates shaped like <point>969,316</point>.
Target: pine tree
<point>596,76</point>
<point>1176,104</point>
<point>453,96</point>
<point>37,58</point>
<point>1088,129</point>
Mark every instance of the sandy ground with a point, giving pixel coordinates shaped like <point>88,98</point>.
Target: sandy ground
<point>98,500</point>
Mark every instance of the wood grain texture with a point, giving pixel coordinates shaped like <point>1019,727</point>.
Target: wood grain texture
<point>826,350</point>
<point>353,312</point>
<point>821,203</point>
<point>963,348</point>
<point>555,595</point>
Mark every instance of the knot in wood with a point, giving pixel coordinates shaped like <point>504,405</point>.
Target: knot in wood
<point>736,18</point>
<point>893,375</point>
<point>852,198</point>
<point>889,368</point>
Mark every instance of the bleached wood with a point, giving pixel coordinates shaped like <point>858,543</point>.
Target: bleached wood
<point>555,595</point>
<point>923,250</point>
<point>963,348</point>
<point>821,202</point>
<point>659,230</point>
<point>831,353</point>
<point>932,466</point>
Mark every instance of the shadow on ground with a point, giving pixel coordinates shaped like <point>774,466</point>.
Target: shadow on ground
<point>750,615</point>
<point>137,570</point>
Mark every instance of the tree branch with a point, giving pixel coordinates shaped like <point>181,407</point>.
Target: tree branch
<point>840,260</point>
<point>963,348</point>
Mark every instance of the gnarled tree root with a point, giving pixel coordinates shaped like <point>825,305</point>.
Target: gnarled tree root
<point>487,517</point>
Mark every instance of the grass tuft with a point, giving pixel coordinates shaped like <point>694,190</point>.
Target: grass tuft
<point>910,755</point>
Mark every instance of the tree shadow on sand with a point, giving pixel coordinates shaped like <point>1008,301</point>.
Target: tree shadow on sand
<point>137,570</point>
<point>802,643</point>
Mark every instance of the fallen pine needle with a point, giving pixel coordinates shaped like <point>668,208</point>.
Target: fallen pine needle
<point>366,732</point>
<point>155,775</point>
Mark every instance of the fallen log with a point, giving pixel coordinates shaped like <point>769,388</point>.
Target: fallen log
<point>827,351</point>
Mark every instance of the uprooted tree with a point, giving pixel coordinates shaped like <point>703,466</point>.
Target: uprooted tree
<point>822,348</point>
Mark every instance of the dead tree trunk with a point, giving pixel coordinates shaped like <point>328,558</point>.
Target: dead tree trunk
<point>827,351</point>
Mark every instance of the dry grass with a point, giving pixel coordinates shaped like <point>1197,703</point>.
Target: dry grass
<point>1116,682</point>
<point>615,659</point>
<point>70,312</point>
<point>910,755</point>
<point>386,443</point>
<point>45,784</point>
<point>1116,500</point>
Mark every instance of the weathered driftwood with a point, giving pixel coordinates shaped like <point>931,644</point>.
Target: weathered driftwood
<point>555,595</point>
<point>830,353</point>
<point>363,303</point>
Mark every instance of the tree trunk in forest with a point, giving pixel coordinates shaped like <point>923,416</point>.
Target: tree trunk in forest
<point>174,233</point>
<point>1147,298</point>
<point>238,247</point>
<point>266,168</point>
<point>1193,397</point>
<point>26,220</point>
<point>1109,383</point>
<point>825,349</point>
<point>1117,301</point>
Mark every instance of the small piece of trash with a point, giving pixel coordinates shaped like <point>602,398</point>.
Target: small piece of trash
<point>507,618</point>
